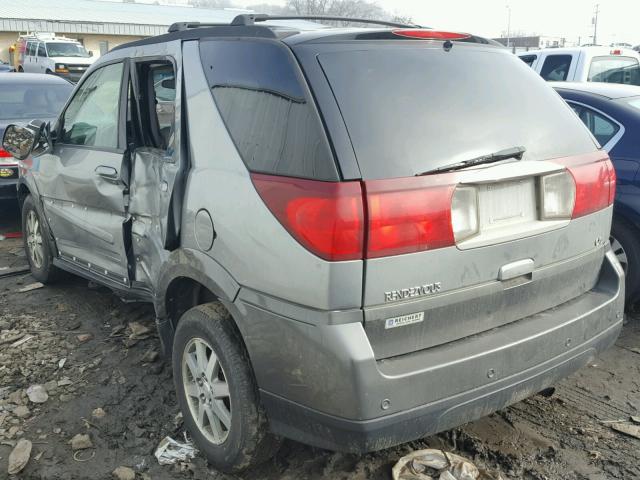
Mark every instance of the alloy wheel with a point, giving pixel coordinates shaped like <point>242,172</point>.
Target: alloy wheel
<point>207,391</point>
<point>34,240</point>
<point>620,254</point>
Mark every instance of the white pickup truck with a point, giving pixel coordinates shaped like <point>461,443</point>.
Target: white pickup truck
<point>585,64</point>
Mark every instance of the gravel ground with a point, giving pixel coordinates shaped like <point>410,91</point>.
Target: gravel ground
<point>91,351</point>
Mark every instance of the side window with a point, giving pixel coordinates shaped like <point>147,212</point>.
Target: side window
<point>30,48</point>
<point>528,59</point>
<point>556,68</point>
<point>600,126</point>
<point>42,52</point>
<point>91,119</point>
<point>260,94</point>
<point>156,116</point>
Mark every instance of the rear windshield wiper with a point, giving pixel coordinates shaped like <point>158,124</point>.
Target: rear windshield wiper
<point>506,154</point>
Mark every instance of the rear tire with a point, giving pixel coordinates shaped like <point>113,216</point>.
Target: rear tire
<point>217,391</point>
<point>624,243</point>
<point>20,70</point>
<point>36,244</point>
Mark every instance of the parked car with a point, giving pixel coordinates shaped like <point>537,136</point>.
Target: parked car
<point>22,98</point>
<point>47,53</point>
<point>612,114</point>
<point>5,67</point>
<point>585,64</point>
<point>401,251</point>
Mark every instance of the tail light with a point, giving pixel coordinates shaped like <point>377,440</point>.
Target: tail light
<point>4,153</point>
<point>408,215</point>
<point>464,213</point>
<point>327,218</point>
<point>595,186</point>
<point>558,196</point>
<point>404,215</point>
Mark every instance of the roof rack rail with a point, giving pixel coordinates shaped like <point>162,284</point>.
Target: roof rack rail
<point>181,26</point>
<point>251,18</point>
<point>248,19</point>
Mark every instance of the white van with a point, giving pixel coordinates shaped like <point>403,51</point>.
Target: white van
<point>586,64</point>
<point>46,53</point>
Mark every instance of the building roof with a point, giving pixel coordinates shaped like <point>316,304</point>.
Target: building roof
<point>101,17</point>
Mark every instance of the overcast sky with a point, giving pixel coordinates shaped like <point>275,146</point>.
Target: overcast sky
<point>619,20</point>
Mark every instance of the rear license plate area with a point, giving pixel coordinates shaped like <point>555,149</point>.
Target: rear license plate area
<point>507,203</point>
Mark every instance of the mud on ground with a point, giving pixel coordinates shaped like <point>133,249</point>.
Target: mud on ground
<point>76,339</point>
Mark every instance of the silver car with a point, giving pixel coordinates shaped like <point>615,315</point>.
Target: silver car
<point>353,237</point>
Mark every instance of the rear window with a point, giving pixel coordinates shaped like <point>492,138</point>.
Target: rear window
<point>263,100</point>
<point>409,109</point>
<point>614,69</point>
<point>29,101</point>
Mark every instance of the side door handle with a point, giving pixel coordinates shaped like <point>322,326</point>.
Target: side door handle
<point>109,173</point>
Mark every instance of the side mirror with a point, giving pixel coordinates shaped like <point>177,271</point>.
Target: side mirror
<point>23,141</point>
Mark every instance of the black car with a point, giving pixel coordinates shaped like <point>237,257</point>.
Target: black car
<point>22,98</point>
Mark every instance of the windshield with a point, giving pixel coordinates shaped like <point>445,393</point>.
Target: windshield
<point>66,50</point>
<point>613,69</point>
<point>35,101</point>
<point>409,109</point>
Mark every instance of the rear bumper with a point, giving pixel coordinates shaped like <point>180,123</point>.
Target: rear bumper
<point>354,403</point>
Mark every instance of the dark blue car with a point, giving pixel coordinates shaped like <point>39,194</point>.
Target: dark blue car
<point>612,113</point>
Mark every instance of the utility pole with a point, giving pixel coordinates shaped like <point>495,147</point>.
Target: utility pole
<point>595,24</point>
<point>509,26</point>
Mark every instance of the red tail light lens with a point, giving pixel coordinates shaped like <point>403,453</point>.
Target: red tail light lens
<point>4,153</point>
<point>327,218</point>
<point>424,34</point>
<point>408,215</point>
<point>595,186</point>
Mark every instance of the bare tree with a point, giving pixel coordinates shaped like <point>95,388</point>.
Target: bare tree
<point>271,9</point>
<point>343,8</point>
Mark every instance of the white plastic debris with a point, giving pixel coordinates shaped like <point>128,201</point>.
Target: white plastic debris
<point>31,286</point>
<point>437,465</point>
<point>170,451</point>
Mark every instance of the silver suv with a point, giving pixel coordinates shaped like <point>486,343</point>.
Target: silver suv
<point>352,237</point>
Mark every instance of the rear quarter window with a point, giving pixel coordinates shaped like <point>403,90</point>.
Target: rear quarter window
<point>267,108</point>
